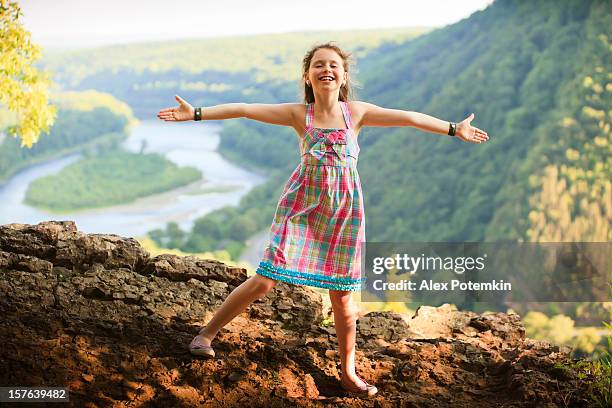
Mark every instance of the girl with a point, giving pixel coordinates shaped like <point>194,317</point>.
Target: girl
<point>319,224</point>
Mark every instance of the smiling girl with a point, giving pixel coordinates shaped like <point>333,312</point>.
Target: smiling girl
<point>319,224</point>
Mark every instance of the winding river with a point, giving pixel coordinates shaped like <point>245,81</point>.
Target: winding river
<point>188,143</point>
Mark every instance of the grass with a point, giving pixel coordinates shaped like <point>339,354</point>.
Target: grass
<point>595,375</point>
<point>209,190</point>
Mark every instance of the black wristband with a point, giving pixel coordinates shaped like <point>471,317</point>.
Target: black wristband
<point>452,128</point>
<point>197,114</point>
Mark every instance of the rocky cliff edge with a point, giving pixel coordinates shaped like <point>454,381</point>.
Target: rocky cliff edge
<point>95,313</point>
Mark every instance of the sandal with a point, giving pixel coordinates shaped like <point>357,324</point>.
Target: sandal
<point>367,392</point>
<point>200,349</point>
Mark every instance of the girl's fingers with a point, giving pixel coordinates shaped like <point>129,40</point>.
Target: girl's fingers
<point>480,135</point>
<point>166,116</point>
<point>476,138</point>
<point>475,135</point>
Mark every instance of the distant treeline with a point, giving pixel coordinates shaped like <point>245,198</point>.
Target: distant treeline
<point>72,130</point>
<point>208,71</point>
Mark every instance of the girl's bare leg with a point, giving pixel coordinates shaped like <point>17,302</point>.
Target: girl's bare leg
<point>257,286</point>
<point>346,330</point>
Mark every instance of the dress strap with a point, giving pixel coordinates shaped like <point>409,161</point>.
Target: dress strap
<point>347,114</point>
<point>309,115</point>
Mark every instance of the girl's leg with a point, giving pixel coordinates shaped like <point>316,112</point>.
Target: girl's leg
<point>346,330</point>
<point>257,286</point>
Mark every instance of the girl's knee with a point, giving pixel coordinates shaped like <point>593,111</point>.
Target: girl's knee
<point>340,297</point>
<point>263,284</point>
<point>342,301</point>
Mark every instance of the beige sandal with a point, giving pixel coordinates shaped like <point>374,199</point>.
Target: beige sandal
<point>200,349</point>
<point>367,392</point>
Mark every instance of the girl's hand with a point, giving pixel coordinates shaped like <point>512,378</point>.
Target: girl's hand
<point>469,133</point>
<point>180,113</point>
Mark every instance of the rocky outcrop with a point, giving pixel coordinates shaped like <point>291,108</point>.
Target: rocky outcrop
<point>95,313</point>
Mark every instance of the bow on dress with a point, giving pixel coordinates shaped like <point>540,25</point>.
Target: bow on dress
<point>336,139</point>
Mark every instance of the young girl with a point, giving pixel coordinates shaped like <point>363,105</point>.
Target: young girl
<point>319,224</point>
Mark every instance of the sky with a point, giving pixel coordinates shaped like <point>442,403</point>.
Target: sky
<point>84,23</point>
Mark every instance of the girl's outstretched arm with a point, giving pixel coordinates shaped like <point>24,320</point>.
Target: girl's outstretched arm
<point>276,114</point>
<point>372,115</point>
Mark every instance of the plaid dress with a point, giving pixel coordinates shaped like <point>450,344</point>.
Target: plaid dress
<point>319,224</point>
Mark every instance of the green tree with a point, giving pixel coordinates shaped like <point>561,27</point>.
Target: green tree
<point>175,234</point>
<point>23,88</point>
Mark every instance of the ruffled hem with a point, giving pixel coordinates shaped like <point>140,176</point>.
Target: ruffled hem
<point>309,279</point>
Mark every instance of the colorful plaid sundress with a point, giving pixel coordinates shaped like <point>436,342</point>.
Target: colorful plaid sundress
<point>319,223</point>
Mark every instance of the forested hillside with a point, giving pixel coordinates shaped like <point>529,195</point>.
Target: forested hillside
<point>544,175</point>
<point>509,65</point>
<point>204,71</point>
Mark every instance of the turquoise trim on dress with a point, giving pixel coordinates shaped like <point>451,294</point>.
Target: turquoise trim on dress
<point>321,281</point>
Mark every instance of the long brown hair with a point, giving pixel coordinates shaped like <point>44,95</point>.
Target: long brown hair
<point>346,91</point>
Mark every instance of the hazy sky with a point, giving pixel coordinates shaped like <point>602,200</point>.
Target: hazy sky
<point>76,23</point>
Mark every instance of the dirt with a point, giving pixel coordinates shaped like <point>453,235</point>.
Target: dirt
<point>96,314</point>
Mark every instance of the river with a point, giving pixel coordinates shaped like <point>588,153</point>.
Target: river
<point>186,144</point>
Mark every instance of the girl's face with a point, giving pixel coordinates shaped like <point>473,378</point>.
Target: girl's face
<point>326,72</point>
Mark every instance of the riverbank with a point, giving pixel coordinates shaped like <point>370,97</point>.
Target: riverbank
<point>115,177</point>
<point>109,138</point>
<point>183,144</point>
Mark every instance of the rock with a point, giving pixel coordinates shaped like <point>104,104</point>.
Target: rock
<point>97,314</point>
<point>388,326</point>
<point>39,241</point>
<point>183,269</point>
<point>433,322</point>
<point>296,306</point>
<point>506,326</point>
<point>24,263</point>
<point>62,245</point>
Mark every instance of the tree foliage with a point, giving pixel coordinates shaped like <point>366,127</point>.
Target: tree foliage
<point>23,88</point>
<point>74,130</point>
<point>207,71</point>
<point>114,177</point>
